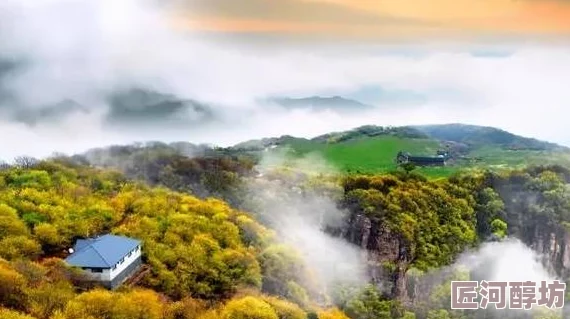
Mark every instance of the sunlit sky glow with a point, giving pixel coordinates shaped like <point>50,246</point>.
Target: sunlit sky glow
<point>379,19</point>
<point>502,63</point>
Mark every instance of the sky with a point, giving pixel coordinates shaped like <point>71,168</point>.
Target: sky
<point>378,19</point>
<point>381,19</point>
<point>77,74</point>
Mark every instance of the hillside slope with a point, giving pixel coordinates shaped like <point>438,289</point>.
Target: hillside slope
<point>477,136</point>
<point>211,260</point>
<point>366,149</point>
<point>208,259</point>
<point>371,149</point>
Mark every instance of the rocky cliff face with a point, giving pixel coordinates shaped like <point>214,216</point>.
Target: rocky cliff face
<point>389,261</point>
<point>552,243</point>
<point>386,253</point>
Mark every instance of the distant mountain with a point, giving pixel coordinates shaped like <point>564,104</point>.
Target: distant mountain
<point>367,149</point>
<point>373,148</point>
<point>473,136</point>
<point>336,103</point>
<point>470,136</point>
<point>370,131</point>
<point>54,112</point>
<point>14,109</point>
<point>140,106</point>
<point>366,131</point>
<point>260,144</point>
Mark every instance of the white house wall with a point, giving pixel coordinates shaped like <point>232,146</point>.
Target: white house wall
<point>120,267</point>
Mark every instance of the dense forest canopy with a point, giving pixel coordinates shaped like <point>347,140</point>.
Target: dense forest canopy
<point>202,252</point>
<point>215,250</point>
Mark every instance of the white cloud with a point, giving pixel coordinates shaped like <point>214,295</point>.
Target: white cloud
<point>82,49</point>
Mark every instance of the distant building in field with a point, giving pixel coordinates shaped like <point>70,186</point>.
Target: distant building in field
<point>108,260</point>
<point>405,157</point>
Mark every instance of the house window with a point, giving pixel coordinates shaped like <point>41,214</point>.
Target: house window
<point>130,254</point>
<point>97,270</point>
<point>122,260</point>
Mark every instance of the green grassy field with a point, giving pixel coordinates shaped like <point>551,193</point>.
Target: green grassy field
<point>377,154</point>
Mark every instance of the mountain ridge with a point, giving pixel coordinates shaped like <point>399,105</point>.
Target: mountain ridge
<point>476,134</point>
<point>367,149</point>
<point>336,102</point>
<point>471,135</point>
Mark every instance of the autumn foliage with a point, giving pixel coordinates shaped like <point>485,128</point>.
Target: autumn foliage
<point>201,252</point>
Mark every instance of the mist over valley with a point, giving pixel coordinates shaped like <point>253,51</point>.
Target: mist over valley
<point>279,160</point>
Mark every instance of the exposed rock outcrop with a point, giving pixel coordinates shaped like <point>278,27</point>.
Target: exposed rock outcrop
<point>552,243</point>
<point>389,261</point>
<point>386,253</point>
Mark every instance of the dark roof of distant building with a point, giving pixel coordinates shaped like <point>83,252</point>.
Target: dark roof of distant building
<point>425,159</point>
<point>101,252</point>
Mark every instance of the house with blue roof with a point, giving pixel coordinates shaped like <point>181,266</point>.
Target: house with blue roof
<point>108,259</point>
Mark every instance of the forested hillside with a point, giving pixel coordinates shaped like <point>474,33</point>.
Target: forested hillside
<point>367,149</point>
<point>415,226</point>
<point>208,260</point>
<point>211,259</point>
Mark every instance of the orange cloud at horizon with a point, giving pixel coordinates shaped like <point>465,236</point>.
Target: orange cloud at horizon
<point>395,18</point>
<point>294,28</point>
